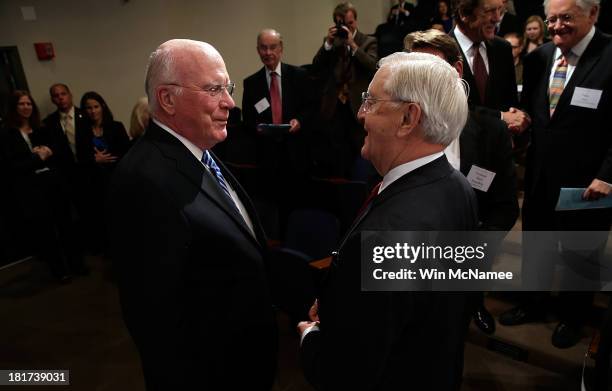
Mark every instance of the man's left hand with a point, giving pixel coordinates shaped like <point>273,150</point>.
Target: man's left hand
<point>295,126</point>
<point>596,190</point>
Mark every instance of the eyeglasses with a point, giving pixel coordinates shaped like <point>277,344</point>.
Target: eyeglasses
<point>367,101</point>
<point>211,90</point>
<point>564,19</point>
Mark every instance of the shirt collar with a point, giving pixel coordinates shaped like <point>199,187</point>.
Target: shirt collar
<point>580,47</point>
<point>464,41</point>
<point>197,152</point>
<point>277,70</point>
<point>403,169</point>
<point>69,114</point>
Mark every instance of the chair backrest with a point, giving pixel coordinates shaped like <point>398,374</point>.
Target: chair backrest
<point>313,232</point>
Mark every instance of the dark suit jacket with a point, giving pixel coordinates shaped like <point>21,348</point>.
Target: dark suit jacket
<point>62,147</point>
<point>394,340</point>
<point>501,93</point>
<point>191,276</point>
<point>509,24</point>
<point>485,142</point>
<point>574,146</point>
<point>356,70</point>
<point>292,150</point>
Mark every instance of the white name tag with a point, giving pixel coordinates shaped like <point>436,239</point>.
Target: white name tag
<point>480,179</point>
<point>586,97</point>
<point>262,105</point>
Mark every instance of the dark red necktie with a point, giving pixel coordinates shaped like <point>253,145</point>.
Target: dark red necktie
<point>480,73</point>
<point>277,106</point>
<point>368,201</point>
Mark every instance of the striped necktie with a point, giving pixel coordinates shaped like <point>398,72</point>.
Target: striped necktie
<point>216,171</point>
<point>558,83</point>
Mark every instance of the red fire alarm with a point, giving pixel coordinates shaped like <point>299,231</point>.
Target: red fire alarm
<point>44,50</point>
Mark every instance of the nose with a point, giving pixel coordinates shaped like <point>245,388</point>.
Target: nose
<point>361,114</point>
<point>227,102</point>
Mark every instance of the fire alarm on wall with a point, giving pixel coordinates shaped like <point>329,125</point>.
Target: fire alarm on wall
<point>44,50</point>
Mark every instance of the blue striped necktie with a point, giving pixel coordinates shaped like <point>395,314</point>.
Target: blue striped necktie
<point>214,169</point>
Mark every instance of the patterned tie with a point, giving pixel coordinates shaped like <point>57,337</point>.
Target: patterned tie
<point>277,106</point>
<point>214,169</point>
<point>480,72</point>
<point>68,126</point>
<point>558,83</point>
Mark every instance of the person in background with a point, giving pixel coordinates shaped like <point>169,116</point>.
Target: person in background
<point>99,147</point>
<point>346,63</point>
<point>566,91</point>
<point>533,36</point>
<point>443,18</point>
<point>516,41</point>
<point>139,120</point>
<point>508,23</point>
<point>40,192</point>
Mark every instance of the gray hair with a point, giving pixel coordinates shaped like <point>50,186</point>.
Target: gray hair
<point>271,32</point>
<point>584,5</point>
<point>160,70</point>
<point>436,86</point>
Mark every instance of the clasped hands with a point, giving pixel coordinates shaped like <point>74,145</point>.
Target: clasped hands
<point>516,120</point>
<point>102,156</point>
<point>43,152</point>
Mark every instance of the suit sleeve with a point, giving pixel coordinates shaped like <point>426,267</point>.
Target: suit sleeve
<point>367,54</point>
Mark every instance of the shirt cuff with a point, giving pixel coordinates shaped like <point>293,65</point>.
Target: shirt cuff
<point>314,327</point>
<point>327,46</point>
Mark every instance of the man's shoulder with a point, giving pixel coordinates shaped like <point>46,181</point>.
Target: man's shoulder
<point>52,117</point>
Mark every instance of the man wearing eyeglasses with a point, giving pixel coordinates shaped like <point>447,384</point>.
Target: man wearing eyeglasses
<point>567,92</point>
<point>279,94</point>
<point>414,107</point>
<point>186,242</point>
<point>489,68</point>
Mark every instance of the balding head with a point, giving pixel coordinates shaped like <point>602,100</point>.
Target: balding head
<point>185,85</point>
<point>270,48</point>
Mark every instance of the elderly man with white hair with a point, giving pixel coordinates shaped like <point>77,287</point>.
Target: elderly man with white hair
<point>414,107</point>
<point>187,246</point>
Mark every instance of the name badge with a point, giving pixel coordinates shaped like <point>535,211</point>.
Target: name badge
<point>262,105</point>
<point>480,179</point>
<point>586,97</point>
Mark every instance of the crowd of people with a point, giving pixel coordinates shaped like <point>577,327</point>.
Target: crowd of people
<point>439,90</point>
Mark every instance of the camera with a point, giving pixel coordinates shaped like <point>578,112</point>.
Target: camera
<point>340,32</point>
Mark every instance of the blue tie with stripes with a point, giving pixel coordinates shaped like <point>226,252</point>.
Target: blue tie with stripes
<point>214,169</point>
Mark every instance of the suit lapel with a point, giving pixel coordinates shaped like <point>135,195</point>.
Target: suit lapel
<point>285,78</point>
<point>196,173</point>
<point>587,61</point>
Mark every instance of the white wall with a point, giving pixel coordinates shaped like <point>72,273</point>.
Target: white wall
<point>103,45</point>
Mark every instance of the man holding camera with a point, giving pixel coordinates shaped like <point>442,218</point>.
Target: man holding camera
<point>346,63</point>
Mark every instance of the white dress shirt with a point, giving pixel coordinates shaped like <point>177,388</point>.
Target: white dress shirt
<point>572,57</point>
<point>466,46</point>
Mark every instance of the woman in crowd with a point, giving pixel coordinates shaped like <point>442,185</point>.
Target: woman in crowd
<point>443,18</point>
<point>37,193</point>
<point>140,118</point>
<point>98,150</point>
<point>534,34</point>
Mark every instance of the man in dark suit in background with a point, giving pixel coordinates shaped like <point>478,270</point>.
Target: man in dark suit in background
<point>346,63</point>
<point>508,22</point>
<point>398,340</point>
<point>567,93</point>
<point>186,242</point>
<point>279,93</point>
<point>484,144</point>
<point>67,118</point>
<point>489,68</point>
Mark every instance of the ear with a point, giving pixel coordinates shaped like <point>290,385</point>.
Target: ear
<point>410,120</point>
<point>165,99</point>
<point>458,65</point>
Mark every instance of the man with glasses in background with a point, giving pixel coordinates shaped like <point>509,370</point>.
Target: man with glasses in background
<point>186,242</point>
<point>567,91</point>
<point>398,340</point>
